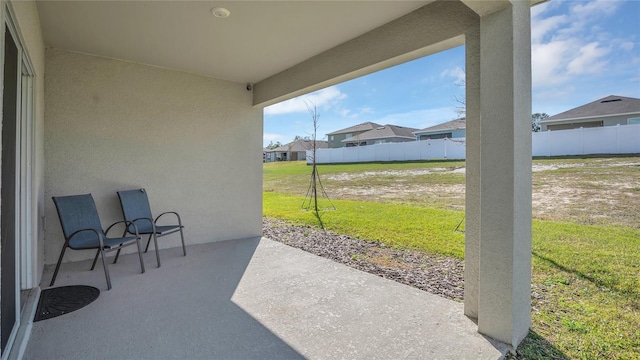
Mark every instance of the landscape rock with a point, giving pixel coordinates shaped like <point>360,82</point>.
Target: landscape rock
<point>435,274</point>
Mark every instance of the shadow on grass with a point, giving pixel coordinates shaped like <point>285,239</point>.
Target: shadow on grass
<point>580,274</point>
<point>534,347</point>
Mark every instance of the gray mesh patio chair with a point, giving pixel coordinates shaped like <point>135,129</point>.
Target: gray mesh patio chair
<point>136,209</point>
<point>83,231</point>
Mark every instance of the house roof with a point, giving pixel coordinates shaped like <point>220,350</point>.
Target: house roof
<point>456,124</point>
<point>607,106</point>
<point>383,132</point>
<point>365,126</point>
<point>300,145</point>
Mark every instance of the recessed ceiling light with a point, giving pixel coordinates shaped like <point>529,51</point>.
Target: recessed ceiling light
<point>220,12</point>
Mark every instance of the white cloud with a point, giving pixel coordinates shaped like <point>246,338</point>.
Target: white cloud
<point>586,16</point>
<point>350,114</point>
<point>549,61</point>
<point>456,73</point>
<point>365,110</point>
<point>268,137</point>
<point>539,9</point>
<point>571,42</point>
<point>589,59</point>
<point>344,113</point>
<point>627,46</point>
<point>322,98</point>
<point>541,27</point>
<point>596,7</point>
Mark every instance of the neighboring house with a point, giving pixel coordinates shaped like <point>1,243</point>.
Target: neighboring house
<point>609,111</point>
<point>381,135</point>
<point>447,130</point>
<point>336,138</point>
<point>293,151</point>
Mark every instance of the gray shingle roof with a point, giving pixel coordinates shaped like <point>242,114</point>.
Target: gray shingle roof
<point>365,126</point>
<point>608,106</point>
<point>300,145</point>
<point>456,124</point>
<point>383,132</point>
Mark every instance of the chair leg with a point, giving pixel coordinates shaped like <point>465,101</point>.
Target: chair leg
<point>155,243</point>
<point>184,249</point>
<point>106,269</point>
<point>140,254</point>
<point>117,254</point>
<point>95,259</point>
<point>148,242</point>
<point>55,273</point>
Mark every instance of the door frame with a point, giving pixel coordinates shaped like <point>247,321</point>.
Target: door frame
<point>26,248</point>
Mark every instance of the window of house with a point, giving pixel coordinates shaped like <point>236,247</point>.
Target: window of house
<point>331,137</point>
<point>348,136</point>
<point>436,136</point>
<point>633,121</point>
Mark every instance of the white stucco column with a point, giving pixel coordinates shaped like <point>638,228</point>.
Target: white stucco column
<point>472,203</point>
<point>504,289</point>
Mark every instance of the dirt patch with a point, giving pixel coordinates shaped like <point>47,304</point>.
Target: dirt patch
<point>587,191</point>
<point>383,173</point>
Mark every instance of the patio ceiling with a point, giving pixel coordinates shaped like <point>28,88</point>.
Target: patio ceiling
<point>259,39</point>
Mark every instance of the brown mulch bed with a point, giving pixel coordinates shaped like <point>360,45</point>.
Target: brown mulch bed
<point>435,274</point>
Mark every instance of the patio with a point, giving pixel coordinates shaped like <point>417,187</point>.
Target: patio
<point>253,299</point>
<point>168,97</point>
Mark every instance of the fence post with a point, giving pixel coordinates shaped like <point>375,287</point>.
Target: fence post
<point>618,139</point>
<point>404,151</point>
<point>445,147</point>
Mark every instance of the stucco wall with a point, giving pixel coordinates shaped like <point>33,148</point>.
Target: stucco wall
<point>193,142</point>
<point>336,142</point>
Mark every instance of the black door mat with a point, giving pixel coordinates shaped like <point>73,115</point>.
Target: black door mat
<point>65,299</point>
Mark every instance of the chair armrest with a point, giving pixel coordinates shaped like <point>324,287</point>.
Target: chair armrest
<point>170,212</point>
<point>153,225</point>
<point>127,224</point>
<point>94,230</point>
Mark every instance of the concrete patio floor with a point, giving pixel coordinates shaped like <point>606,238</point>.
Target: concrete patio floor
<point>253,299</point>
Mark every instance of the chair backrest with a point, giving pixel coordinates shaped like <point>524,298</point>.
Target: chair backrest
<point>135,205</point>
<point>78,212</point>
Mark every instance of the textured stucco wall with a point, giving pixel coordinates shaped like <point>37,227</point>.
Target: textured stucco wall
<point>193,142</point>
<point>504,291</point>
<point>28,26</point>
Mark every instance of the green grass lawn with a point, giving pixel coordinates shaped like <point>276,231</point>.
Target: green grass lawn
<point>585,277</point>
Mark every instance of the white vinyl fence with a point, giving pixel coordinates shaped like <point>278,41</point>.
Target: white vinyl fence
<point>620,139</point>
<point>406,151</point>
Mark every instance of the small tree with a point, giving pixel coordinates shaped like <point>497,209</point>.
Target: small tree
<point>535,121</point>
<point>273,145</point>
<point>312,192</point>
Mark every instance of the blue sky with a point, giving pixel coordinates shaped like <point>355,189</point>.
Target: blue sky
<point>581,51</point>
